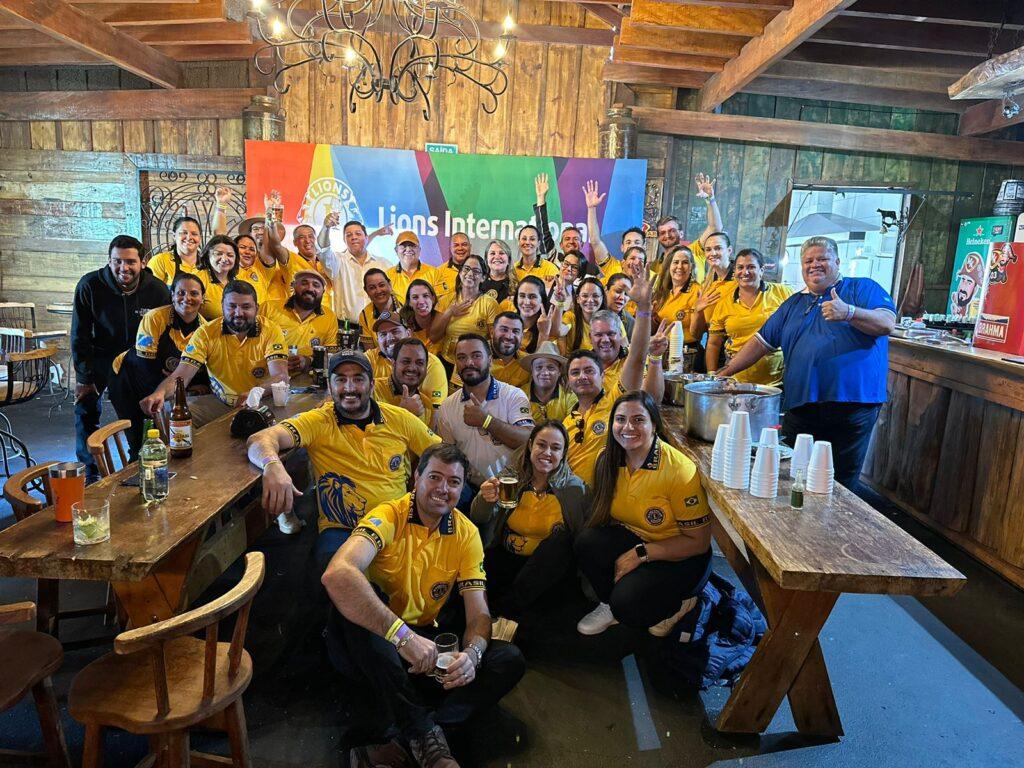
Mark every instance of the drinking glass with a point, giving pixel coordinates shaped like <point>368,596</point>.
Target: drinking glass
<point>447,644</point>
<point>508,481</point>
<point>91,522</point>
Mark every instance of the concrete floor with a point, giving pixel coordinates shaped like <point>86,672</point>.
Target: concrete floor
<point>918,683</point>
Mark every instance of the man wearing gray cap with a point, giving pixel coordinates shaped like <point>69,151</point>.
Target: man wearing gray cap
<point>359,451</point>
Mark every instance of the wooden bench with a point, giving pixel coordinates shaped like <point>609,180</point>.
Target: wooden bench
<point>795,564</point>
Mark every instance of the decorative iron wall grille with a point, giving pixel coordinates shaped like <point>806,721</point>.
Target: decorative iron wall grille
<point>166,195</point>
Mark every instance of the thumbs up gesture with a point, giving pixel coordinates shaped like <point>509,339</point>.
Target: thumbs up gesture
<point>835,309</point>
<point>412,402</point>
<point>474,415</point>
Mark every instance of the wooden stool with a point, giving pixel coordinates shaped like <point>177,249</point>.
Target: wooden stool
<point>104,441</point>
<point>27,659</point>
<point>17,492</point>
<point>160,681</point>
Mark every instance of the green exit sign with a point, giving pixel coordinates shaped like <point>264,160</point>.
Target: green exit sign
<point>443,149</point>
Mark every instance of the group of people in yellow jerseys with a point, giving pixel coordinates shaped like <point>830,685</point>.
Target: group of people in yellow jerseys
<point>498,431</point>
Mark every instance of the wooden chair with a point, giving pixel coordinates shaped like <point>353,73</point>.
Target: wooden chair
<point>18,491</point>
<point>22,376</point>
<point>104,441</point>
<point>27,659</point>
<point>160,681</point>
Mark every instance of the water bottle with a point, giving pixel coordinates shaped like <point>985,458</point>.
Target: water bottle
<point>153,460</point>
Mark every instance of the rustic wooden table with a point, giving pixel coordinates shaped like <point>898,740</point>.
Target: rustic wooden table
<point>161,556</point>
<point>795,564</point>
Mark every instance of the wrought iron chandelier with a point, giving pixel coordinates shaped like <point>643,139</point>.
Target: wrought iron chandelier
<point>293,36</point>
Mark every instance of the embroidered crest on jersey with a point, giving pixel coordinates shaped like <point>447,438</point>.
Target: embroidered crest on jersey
<point>654,516</point>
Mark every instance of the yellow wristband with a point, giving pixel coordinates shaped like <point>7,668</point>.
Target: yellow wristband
<point>394,630</point>
<point>487,422</point>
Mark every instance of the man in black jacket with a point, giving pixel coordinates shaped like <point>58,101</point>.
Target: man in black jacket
<point>109,303</point>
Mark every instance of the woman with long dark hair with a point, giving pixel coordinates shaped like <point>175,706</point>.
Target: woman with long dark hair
<point>676,292</point>
<point>468,310</point>
<point>718,275</point>
<point>531,260</point>
<point>647,547</point>
<point>533,306</point>
<point>218,265</point>
<point>251,269</point>
<point>591,297</point>
<point>618,288</point>
<point>420,311</point>
<point>528,549</point>
<point>377,287</point>
<point>183,255</point>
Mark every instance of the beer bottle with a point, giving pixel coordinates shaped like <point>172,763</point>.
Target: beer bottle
<point>180,432</point>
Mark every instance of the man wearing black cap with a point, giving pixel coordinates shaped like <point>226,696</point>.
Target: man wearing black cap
<point>358,448</point>
<point>390,330</point>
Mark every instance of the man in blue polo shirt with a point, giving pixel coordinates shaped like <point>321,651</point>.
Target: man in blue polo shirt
<point>834,339</point>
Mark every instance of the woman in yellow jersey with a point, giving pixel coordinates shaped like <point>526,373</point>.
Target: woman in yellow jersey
<point>677,289</point>
<point>590,298</point>
<point>377,287</point>
<point>619,302</point>
<point>501,281</point>
<point>162,336</point>
<point>251,269</point>
<point>531,260</point>
<point>647,547</point>
<point>468,310</point>
<point>532,305</point>
<point>218,265</point>
<point>740,314</point>
<point>550,398</point>
<point>718,269</point>
<point>420,311</point>
<point>528,549</point>
<point>183,255</point>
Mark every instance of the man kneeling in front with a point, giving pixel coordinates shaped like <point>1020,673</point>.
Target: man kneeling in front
<point>389,581</point>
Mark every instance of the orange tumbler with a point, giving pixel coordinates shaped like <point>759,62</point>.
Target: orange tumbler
<point>67,484</point>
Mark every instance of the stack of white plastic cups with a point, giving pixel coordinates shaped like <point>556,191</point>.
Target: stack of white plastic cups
<point>737,451</point>
<point>718,453</point>
<point>801,454</point>
<point>820,471</point>
<point>764,480</point>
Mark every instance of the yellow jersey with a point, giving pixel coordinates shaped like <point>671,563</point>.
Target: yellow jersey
<point>679,306</point>
<point>159,339</point>
<point>511,372</point>
<point>611,266</point>
<point>369,314</point>
<point>478,320</point>
<point>213,298</point>
<point>444,280</point>
<point>235,366</point>
<point>435,381</point>
<point>260,277</point>
<point>162,265</point>
<point>355,469</point>
<point>536,517</point>
<point>317,329</point>
<point>384,392</point>
<point>700,260</point>
<point>418,568</point>
<point>588,434</point>
<point>544,269</point>
<point>400,279</point>
<point>557,408</point>
<point>738,322</point>
<point>662,497</point>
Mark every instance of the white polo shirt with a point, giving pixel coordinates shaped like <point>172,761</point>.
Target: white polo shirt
<point>487,455</point>
<point>347,276</point>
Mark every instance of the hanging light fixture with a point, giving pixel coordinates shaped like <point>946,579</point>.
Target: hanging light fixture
<point>339,29</point>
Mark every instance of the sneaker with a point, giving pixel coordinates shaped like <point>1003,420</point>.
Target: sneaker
<point>662,628</point>
<point>597,621</point>
<point>389,755</point>
<point>503,629</point>
<point>431,750</point>
<point>289,523</point>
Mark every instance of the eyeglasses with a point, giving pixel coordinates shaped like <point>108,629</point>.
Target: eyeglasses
<point>474,272</point>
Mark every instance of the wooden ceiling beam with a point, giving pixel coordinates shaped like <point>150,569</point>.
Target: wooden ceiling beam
<point>72,26</point>
<point>180,104</point>
<point>1000,75</point>
<point>897,61</point>
<point>986,117</point>
<point>666,60</point>
<point>223,33</point>
<point>699,18</point>
<point>959,13</point>
<point>764,130</point>
<point>782,34</point>
<point>693,43</point>
<point>753,5</point>
<point>913,36</point>
<point>609,14</point>
<point>64,55</point>
<point>146,14</point>
<point>637,74</point>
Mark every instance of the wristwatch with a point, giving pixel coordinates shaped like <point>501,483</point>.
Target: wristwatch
<point>476,652</point>
<point>641,552</point>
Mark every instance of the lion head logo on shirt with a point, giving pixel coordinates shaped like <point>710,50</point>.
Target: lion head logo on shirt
<point>654,516</point>
<point>340,502</point>
<point>439,590</point>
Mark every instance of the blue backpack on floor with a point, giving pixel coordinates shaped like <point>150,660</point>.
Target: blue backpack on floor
<point>712,643</point>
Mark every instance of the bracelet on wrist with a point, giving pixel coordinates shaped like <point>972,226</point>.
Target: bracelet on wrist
<point>643,313</point>
<point>403,642</point>
<point>390,635</point>
<point>268,462</point>
<point>654,359</point>
<point>850,313</point>
<point>487,422</point>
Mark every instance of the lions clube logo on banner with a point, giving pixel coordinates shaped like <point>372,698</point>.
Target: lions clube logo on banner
<point>489,197</point>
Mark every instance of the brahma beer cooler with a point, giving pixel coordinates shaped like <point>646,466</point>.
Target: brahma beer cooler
<point>1000,324</point>
<point>972,249</point>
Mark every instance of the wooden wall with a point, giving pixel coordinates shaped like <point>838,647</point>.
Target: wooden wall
<point>753,179</point>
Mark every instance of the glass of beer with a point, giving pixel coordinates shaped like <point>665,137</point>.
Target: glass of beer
<point>447,644</point>
<point>508,482</point>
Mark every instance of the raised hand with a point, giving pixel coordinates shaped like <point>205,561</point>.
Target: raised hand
<point>705,185</point>
<point>642,289</point>
<point>659,341</point>
<point>835,309</point>
<point>707,299</point>
<point>541,186</point>
<point>411,402</point>
<point>223,195</point>
<point>332,219</point>
<point>473,415</point>
<point>591,194</point>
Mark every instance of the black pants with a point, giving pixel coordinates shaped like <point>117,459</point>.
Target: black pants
<point>846,425</point>
<point>516,582</point>
<point>650,593</point>
<point>390,699</point>
<point>87,420</point>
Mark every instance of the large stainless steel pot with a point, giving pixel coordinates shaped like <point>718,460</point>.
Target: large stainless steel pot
<point>675,386</point>
<point>710,403</point>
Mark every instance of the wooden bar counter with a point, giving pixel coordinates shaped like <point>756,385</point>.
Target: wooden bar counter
<point>949,448</point>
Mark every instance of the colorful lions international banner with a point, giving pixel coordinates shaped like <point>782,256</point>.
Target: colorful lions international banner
<point>436,195</point>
